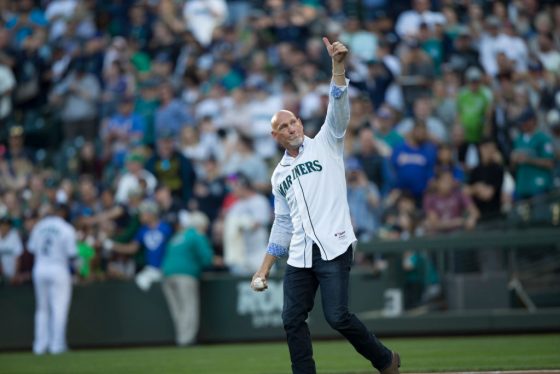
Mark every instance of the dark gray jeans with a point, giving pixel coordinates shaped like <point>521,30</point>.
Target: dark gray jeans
<point>300,287</point>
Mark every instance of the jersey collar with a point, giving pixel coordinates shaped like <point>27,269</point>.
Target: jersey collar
<point>287,160</point>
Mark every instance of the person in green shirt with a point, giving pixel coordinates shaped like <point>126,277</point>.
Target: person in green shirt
<point>474,104</point>
<point>187,254</point>
<point>532,158</point>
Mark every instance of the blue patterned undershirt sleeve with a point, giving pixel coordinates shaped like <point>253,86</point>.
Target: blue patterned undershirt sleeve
<point>280,236</point>
<point>276,250</point>
<point>338,111</point>
<point>337,91</point>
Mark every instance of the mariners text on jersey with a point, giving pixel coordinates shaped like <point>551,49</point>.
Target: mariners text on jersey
<point>297,171</point>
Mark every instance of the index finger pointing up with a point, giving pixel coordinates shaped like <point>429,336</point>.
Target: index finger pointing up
<point>328,45</point>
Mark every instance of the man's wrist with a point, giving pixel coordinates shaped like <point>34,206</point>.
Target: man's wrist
<point>338,68</point>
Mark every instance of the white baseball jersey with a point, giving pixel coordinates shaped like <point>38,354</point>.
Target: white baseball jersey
<point>10,249</point>
<point>311,188</point>
<point>53,241</point>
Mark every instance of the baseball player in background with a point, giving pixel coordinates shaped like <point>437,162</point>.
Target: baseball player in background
<point>312,219</point>
<point>53,242</point>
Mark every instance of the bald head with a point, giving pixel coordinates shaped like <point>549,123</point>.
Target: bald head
<point>287,130</point>
<point>279,117</point>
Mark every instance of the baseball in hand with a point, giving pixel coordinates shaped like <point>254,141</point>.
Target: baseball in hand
<point>258,284</point>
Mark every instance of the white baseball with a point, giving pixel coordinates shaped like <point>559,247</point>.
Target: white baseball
<point>258,284</point>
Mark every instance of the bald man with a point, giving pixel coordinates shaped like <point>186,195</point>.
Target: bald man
<point>312,227</point>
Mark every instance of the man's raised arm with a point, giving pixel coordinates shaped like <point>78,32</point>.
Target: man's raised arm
<point>338,112</point>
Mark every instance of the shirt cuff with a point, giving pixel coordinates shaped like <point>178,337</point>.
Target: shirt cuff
<point>276,250</point>
<point>337,91</point>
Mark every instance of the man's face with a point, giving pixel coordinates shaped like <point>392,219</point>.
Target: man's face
<point>421,5</point>
<point>165,147</point>
<point>5,227</point>
<point>445,184</point>
<point>528,126</point>
<point>420,133</point>
<point>287,130</point>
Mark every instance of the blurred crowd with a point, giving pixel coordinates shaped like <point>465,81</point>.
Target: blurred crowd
<point>161,109</point>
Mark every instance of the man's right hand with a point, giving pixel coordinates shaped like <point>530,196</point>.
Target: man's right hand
<point>259,282</point>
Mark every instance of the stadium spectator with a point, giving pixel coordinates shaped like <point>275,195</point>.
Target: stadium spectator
<point>171,168</point>
<point>447,207</point>
<point>490,45</point>
<point>150,241</point>
<point>413,162</point>
<point>247,161</point>
<point>532,158</point>
<point>474,104</point>
<point>384,124</point>
<point>210,190</point>
<point>135,176</point>
<point>169,206</point>
<point>187,253</point>
<point>172,114</point>
<point>373,159</point>
<point>363,200</point>
<point>486,181</point>
<point>446,161</point>
<point>422,111</point>
<point>409,22</point>
<point>202,17</point>
<point>122,132</point>
<point>245,226</point>
<point>11,247</point>
<point>76,97</point>
<point>7,84</point>
<point>417,73</point>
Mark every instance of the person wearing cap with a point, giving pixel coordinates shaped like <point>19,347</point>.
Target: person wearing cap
<point>151,238</point>
<point>384,124</point>
<point>490,43</point>
<point>474,106</point>
<point>187,253</point>
<point>532,157</point>
<point>53,242</point>
<point>16,165</point>
<point>363,200</point>
<point>135,176</point>
<point>11,247</point>
<point>463,54</point>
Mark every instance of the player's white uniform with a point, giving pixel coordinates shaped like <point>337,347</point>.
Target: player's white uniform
<point>311,189</point>
<point>10,249</point>
<point>53,241</point>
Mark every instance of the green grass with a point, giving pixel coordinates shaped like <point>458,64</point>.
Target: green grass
<point>418,355</point>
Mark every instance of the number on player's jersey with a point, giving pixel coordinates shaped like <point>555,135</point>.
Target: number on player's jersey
<point>47,245</point>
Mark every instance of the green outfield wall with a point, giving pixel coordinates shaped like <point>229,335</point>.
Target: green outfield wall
<point>116,313</point>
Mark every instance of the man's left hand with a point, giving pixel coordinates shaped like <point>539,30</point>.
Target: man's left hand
<point>337,50</point>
